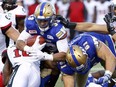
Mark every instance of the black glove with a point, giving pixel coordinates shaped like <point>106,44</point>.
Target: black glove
<point>109,22</point>
<point>65,22</point>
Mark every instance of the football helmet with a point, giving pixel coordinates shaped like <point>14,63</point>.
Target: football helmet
<point>45,15</point>
<point>76,56</point>
<point>9,4</point>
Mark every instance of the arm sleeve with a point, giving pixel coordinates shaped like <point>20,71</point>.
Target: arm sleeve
<point>62,45</point>
<point>24,35</point>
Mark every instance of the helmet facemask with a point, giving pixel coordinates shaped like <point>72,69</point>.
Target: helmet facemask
<point>45,16</point>
<point>9,4</point>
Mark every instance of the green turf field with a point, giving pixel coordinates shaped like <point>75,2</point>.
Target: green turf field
<point>95,68</point>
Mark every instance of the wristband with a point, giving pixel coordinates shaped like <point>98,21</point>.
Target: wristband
<point>72,25</point>
<point>107,72</point>
<point>48,56</point>
<point>27,48</point>
<point>113,31</point>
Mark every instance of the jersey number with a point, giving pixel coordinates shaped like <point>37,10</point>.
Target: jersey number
<point>20,53</point>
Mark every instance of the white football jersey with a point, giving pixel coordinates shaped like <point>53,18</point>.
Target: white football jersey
<point>4,25</point>
<point>18,12</point>
<point>18,57</point>
<point>102,9</point>
<point>90,9</point>
<point>62,8</point>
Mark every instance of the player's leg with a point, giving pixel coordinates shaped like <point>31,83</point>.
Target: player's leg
<point>68,80</point>
<point>51,79</point>
<point>7,70</point>
<point>34,76</point>
<point>81,79</point>
<point>25,75</point>
<point>67,74</point>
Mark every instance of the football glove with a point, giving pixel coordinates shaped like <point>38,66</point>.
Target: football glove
<point>65,22</point>
<point>35,46</point>
<point>109,22</point>
<point>104,78</point>
<point>41,55</point>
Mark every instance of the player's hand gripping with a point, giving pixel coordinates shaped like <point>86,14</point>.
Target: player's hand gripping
<point>109,22</point>
<point>36,46</point>
<point>66,22</point>
<point>104,78</point>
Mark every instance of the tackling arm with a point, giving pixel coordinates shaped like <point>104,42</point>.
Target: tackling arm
<point>107,56</point>
<point>12,33</point>
<point>20,43</point>
<point>82,26</point>
<point>85,26</point>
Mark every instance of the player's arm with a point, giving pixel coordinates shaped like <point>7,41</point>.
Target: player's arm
<point>83,26</point>
<point>114,37</point>
<point>87,27</point>
<point>20,43</point>
<point>7,69</point>
<point>62,46</point>
<point>7,29</point>
<point>105,54</point>
<point>12,33</point>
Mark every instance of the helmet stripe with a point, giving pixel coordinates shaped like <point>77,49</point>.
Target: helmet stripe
<point>41,9</point>
<point>73,56</point>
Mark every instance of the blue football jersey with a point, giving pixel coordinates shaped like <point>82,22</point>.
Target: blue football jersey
<point>105,38</point>
<point>87,41</point>
<point>52,35</point>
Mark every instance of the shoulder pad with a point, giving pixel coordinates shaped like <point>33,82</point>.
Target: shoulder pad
<point>30,22</point>
<point>18,11</point>
<point>5,20</point>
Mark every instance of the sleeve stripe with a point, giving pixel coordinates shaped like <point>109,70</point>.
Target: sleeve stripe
<point>7,26</point>
<point>20,16</point>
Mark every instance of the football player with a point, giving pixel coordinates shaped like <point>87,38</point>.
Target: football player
<point>22,68</point>
<point>6,30</point>
<point>43,23</point>
<point>17,13</point>
<point>84,52</point>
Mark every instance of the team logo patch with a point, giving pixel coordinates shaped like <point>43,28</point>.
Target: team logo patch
<point>50,37</point>
<point>32,31</point>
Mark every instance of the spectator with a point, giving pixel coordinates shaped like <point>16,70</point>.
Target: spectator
<point>32,7</point>
<point>76,13</point>
<point>90,4</point>
<point>102,7</point>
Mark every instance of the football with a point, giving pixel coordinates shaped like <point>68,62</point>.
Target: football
<point>31,40</point>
